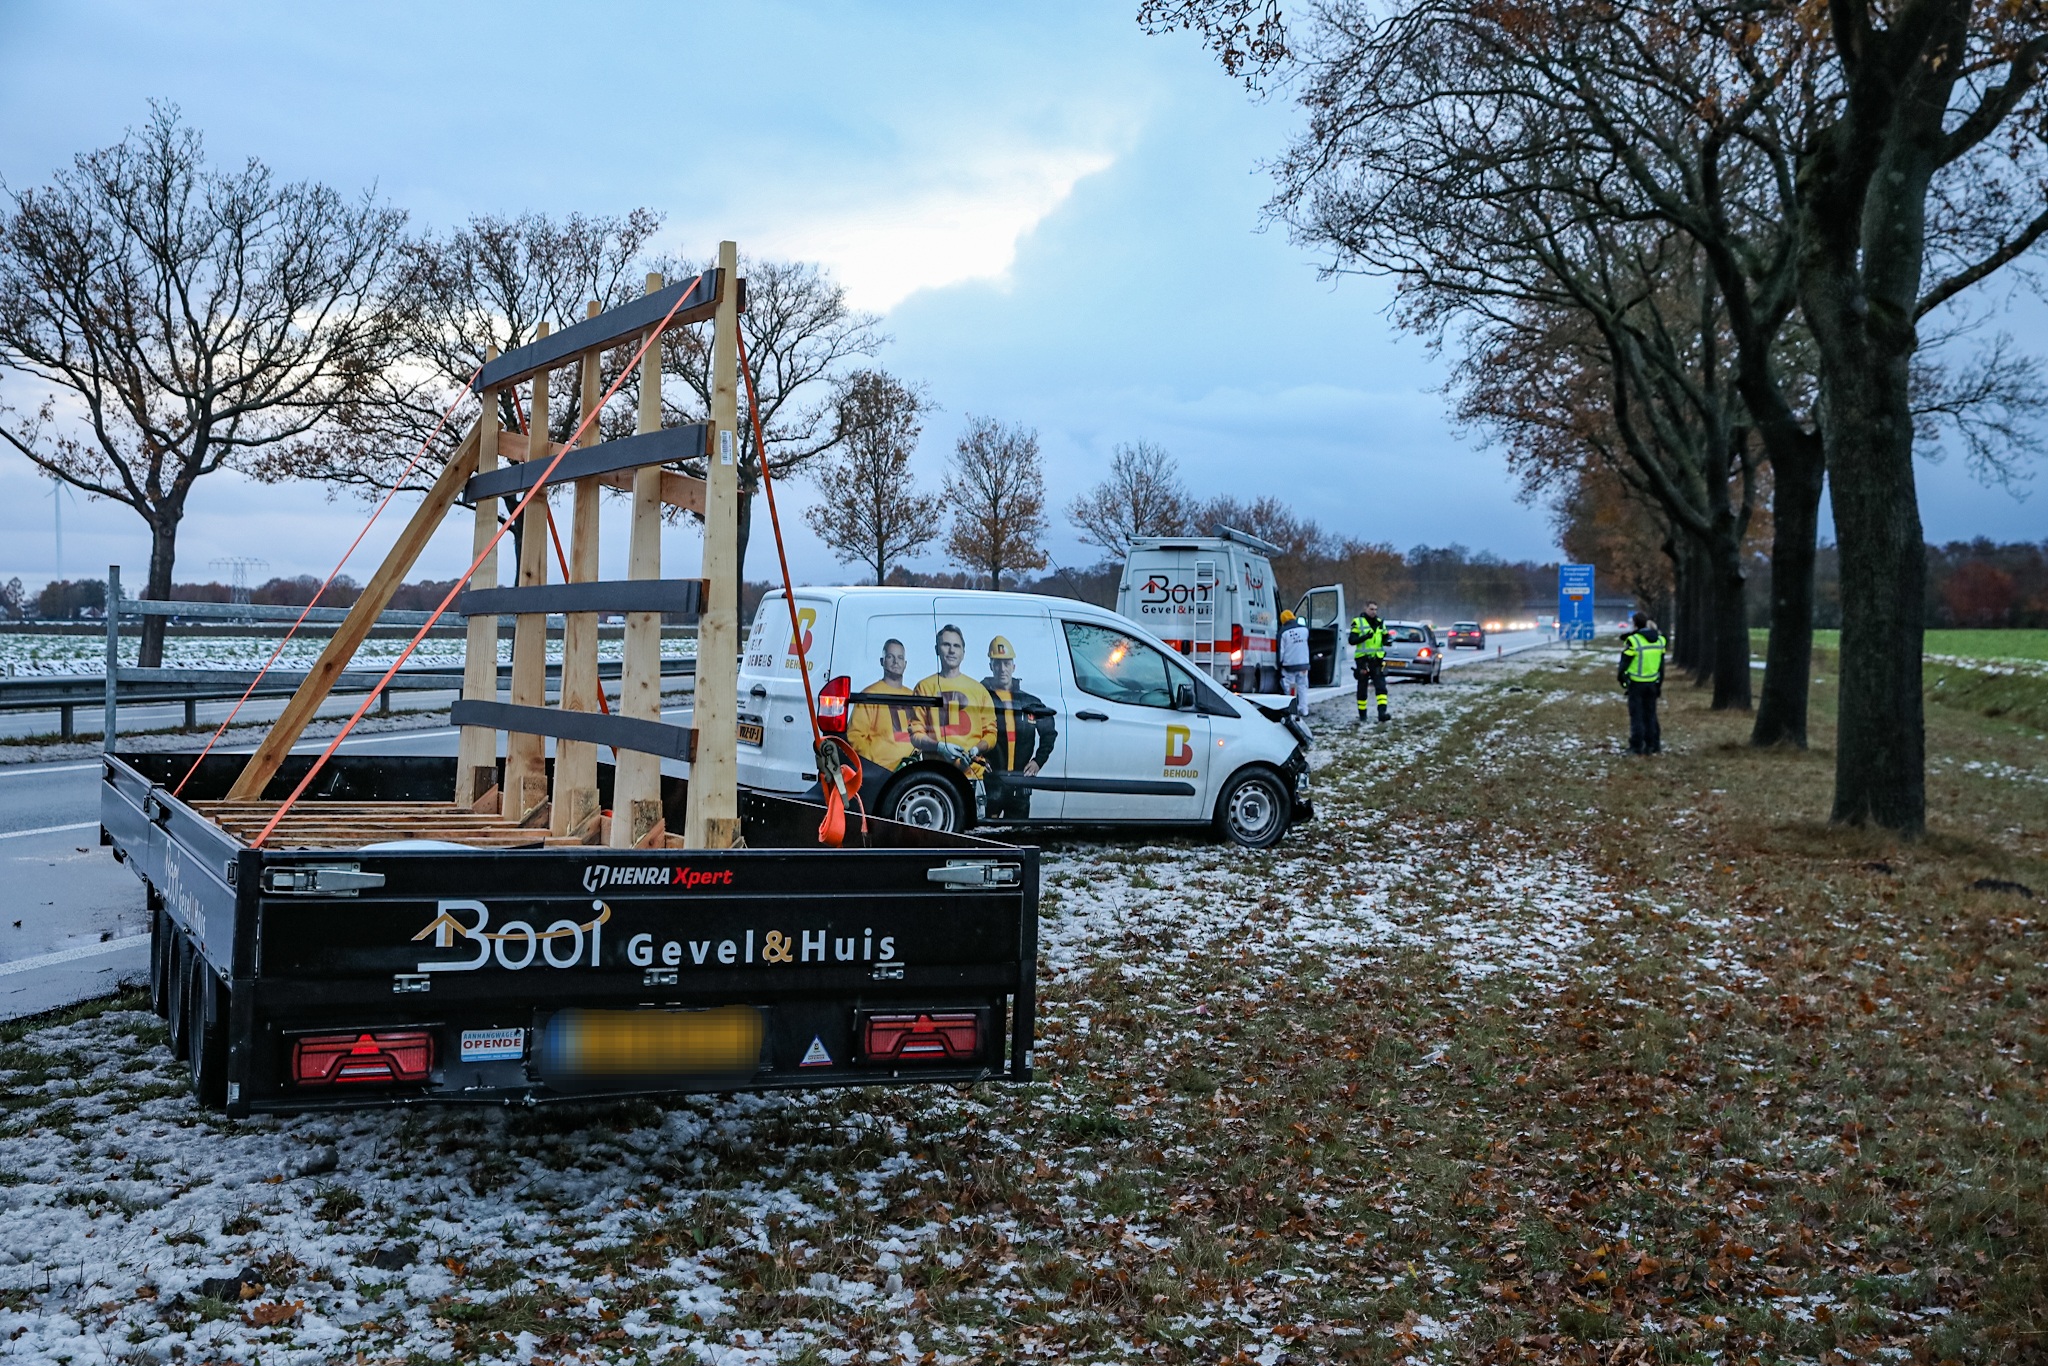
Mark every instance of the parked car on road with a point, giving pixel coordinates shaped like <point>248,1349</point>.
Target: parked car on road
<point>1413,651</point>
<point>1465,633</point>
<point>1013,709</point>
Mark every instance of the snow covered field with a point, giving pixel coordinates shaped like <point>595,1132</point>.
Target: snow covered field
<point>37,655</point>
<point>926,1225</point>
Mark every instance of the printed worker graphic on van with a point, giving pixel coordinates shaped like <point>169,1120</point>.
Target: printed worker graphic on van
<point>879,731</point>
<point>1026,730</point>
<point>962,729</point>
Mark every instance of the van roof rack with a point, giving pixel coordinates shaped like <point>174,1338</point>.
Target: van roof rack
<point>1231,533</point>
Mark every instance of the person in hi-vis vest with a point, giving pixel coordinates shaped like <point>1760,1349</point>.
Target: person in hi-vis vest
<point>879,731</point>
<point>1368,639</point>
<point>1026,731</point>
<point>1641,675</point>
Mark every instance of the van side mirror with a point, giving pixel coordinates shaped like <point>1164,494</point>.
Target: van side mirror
<point>1184,697</point>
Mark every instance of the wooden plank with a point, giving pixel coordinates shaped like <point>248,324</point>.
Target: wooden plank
<point>629,320</point>
<point>575,795</point>
<point>341,646</point>
<point>628,734</point>
<point>685,491</point>
<point>636,784</point>
<point>526,782</point>
<point>476,751</point>
<point>711,815</point>
<point>575,599</point>
<point>664,447</point>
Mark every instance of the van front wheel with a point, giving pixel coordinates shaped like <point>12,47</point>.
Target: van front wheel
<point>928,801</point>
<point>1253,810</point>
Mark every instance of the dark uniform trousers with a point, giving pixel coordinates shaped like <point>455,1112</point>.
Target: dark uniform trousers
<point>1372,683</point>
<point>1644,736</point>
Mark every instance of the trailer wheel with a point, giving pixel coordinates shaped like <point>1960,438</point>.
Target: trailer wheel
<point>159,964</point>
<point>206,1033</point>
<point>178,965</point>
<point>1253,810</point>
<point>930,801</point>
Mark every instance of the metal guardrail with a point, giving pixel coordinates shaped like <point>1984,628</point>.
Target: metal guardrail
<point>123,683</point>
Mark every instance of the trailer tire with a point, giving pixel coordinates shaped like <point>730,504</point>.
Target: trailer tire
<point>159,964</point>
<point>1254,809</point>
<point>206,1033</point>
<point>178,986</point>
<point>928,800</point>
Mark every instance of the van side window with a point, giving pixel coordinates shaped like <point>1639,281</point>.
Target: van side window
<point>1110,664</point>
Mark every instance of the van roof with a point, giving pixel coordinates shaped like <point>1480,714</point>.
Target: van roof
<point>872,592</point>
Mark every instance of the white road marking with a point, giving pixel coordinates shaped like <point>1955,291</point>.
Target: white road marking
<point>50,960</point>
<point>49,830</point>
<point>31,770</point>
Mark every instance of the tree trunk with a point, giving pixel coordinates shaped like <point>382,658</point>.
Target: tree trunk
<point>1797,482</point>
<point>1729,602</point>
<point>739,559</point>
<point>1678,626</point>
<point>1880,743</point>
<point>163,555</point>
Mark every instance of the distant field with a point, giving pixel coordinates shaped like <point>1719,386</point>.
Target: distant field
<point>2017,644</point>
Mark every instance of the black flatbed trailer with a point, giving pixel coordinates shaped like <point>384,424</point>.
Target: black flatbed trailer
<point>389,966</point>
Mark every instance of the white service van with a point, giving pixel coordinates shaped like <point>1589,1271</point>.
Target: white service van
<point>1012,708</point>
<point>1213,599</point>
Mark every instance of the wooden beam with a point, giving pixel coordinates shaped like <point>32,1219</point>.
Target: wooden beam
<point>575,797</point>
<point>476,751</point>
<point>678,490</point>
<point>636,784</point>
<point>526,780</point>
<point>711,814</point>
<point>341,646</point>
<point>608,329</point>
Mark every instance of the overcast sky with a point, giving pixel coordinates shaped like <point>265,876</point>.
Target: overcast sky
<point>1057,216</point>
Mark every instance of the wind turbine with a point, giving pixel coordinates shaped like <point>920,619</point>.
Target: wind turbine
<point>58,491</point>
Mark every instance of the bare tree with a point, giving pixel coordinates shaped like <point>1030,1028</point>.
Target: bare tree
<point>997,493</point>
<point>1142,496</point>
<point>873,512</point>
<point>490,282</point>
<point>802,340</point>
<point>174,320</point>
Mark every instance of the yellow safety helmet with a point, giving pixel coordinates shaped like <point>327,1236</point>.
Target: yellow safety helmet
<point>1286,617</point>
<point>999,648</point>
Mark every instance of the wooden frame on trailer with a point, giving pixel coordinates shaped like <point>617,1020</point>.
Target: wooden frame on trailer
<point>487,466</point>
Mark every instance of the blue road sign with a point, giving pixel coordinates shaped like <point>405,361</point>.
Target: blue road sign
<point>1575,602</point>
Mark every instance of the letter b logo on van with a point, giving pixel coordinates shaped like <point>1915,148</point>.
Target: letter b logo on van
<point>808,616</point>
<point>1180,746</point>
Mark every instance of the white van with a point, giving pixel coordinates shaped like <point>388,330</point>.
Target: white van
<point>1209,598</point>
<point>1212,599</point>
<point>1015,709</point>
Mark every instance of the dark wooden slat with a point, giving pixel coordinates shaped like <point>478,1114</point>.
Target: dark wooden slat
<point>620,595</point>
<point>614,325</point>
<point>620,732</point>
<point>664,447</point>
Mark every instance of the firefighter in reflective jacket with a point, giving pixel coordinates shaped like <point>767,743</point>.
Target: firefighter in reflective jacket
<point>1368,638</point>
<point>1026,731</point>
<point>1641,675</point>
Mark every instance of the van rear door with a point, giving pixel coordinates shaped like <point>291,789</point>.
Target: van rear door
<point>1135,756</point>
<point>1323,610</point>
<point>775,730</point>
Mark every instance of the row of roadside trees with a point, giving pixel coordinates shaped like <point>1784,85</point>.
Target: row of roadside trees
<point>1693,253</point>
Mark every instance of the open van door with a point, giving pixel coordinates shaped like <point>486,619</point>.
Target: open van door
<point>1323,610</point>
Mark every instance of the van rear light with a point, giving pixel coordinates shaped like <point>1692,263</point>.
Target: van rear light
<point>929,1036</point>
<point>382,1057</point>
<point>832,707</point>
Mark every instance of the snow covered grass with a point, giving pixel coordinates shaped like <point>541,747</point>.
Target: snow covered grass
<point>35,655</point>
<point>1523,1050</point>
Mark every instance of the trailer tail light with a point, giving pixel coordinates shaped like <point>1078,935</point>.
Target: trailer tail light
<point>832,705</point>
<point>928,1036</point>
<point>381,1058</point>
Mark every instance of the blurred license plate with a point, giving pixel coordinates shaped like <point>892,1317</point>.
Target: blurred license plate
<point>750,733</point>
<point>594,1044</point>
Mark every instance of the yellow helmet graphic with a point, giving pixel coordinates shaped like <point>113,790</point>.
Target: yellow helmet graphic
<point>999,648</point>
